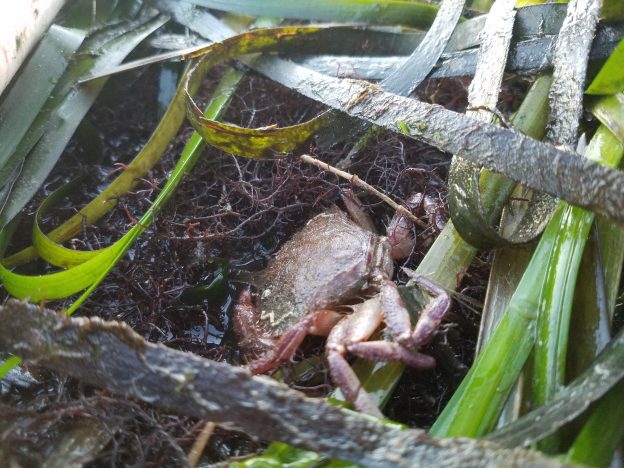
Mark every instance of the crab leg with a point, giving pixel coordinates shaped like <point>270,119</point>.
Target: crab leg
<point>357,214</point>
<point>389,351</point>
<point>353,328</point>
<point>432,315</point>
<point>397,317</point>
<point>349,336</point>
<point>285,348</point>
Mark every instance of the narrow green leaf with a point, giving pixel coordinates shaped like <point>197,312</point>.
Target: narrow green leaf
<point>49,250</point>
<point>475,406</point>
<point>8,365</point>
<point>68,113</point>
<point>603,432</point>
<point>32,88</point>
<point>477,402</point>
<point>91,267</point>
<point>613,10</point>
<point>149,155</point>
<point>193,149</point>
<point>610,79</point>
<point>605,373</point>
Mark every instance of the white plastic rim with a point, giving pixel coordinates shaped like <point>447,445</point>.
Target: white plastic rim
<point>21,26</point>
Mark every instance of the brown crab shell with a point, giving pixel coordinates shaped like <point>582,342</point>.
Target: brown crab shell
<point>330,262</point>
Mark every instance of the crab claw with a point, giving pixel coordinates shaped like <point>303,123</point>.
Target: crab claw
<point>400,230</point>
<point>433,313</point>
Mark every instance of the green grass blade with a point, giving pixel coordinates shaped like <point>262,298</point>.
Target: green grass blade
<point>603,432</point>
<point>605,373</point>
<point>189,157</point>
<point>89,271</point>
<point>549,357</point>
<point>475,406</point>
<point>50,251</point>
<point>8,365</point>
<point>149,155</point>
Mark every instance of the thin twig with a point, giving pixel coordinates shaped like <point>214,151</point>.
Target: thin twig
<point>200,443</point>
<point>355,180</point>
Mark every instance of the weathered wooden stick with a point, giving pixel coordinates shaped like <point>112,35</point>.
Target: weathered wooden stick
<point>111,355</point>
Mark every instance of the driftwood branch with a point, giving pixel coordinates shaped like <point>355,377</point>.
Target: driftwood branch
<point>111,355</point>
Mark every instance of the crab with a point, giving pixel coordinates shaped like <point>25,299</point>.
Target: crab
<point>333,278</point>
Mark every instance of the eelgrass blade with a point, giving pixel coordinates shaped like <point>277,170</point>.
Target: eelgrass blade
<point>32,88</point>
<point>91,268</point>
<point>549,358</point>
<point>527,56</point>
<point>415,69</point>
<point>523,159</point>
<point>613,10</point>
<point>69,105</point>
<point>149,155</point>
<point>410,74</point>
<point>570,69</point>
<point>189,157</point>
<point>605,148</point>
<point>477,217</point>
<point>610,79</point>
<point>475,406</point>
<point>603,432</point>
<point>566,103</point>
<point>605,373</point>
